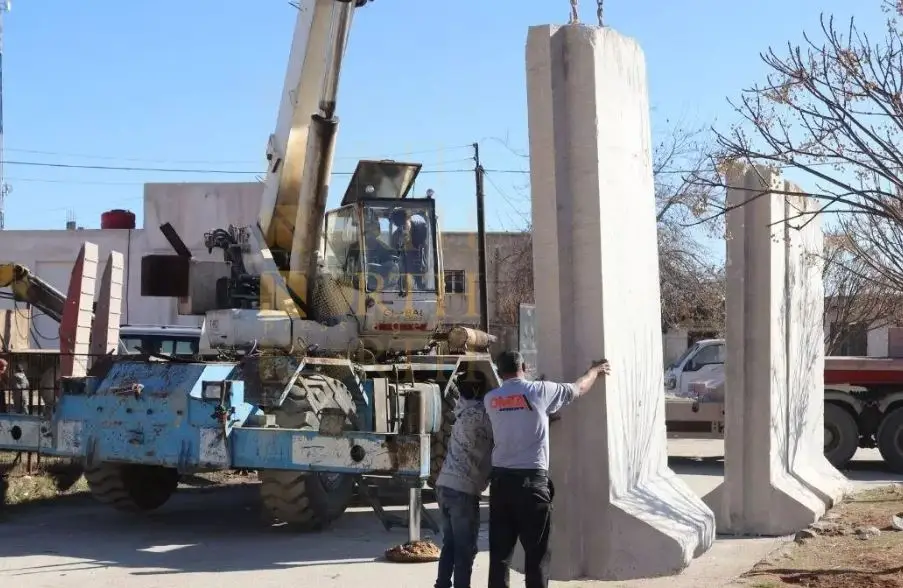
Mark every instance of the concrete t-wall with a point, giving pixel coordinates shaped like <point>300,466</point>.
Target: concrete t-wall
<point>775,362</point>
<point>620,512</point>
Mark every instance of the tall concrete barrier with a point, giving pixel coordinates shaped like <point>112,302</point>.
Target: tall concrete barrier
<point>75,325</point>
<point>776,480</point>
<point>620,512</point>
<point>108,313</point>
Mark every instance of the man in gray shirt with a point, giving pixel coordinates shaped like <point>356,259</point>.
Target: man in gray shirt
<point>521,493</point>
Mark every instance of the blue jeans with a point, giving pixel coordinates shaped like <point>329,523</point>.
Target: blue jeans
<point>460,530</point>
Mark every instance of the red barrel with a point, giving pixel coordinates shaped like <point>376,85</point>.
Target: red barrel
<point>117,219</point>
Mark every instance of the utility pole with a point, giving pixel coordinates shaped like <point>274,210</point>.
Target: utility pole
<point>481,239</point>
<point>4,187</point>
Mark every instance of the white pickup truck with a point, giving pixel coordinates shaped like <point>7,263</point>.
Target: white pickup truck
<point>863,402</point>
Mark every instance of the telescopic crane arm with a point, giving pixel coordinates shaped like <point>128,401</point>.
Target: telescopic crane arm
<point>300,151</point>
<point>30,289</point>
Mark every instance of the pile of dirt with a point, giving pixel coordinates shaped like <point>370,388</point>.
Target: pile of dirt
<point>414,552</point>
<point>858,544</point>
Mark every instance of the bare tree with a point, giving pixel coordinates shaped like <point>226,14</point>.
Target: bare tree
<point>692,287</point>
<point>516,280</point>
<point>831,113</point>
<point>854,298</point>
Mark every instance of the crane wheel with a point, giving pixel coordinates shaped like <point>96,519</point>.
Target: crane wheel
<point>841,435</point>
<point>307,501</point>
<point>132,487</point>
<point>890,439</point>
<point>440,441</point>
<point>303,500</point>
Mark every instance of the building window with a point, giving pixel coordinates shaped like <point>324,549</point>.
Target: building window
<point>454,281</point>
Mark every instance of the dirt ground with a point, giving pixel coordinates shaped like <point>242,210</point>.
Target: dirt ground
<point>40,487</point>
<point>854,545</point>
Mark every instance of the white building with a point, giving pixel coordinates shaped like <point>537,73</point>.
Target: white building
<point>191,208</point>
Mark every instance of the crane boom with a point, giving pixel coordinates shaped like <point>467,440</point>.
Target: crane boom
<point>300,150</point>
<point>28,288</point>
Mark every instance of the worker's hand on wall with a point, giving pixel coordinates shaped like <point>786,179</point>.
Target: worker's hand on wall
<point>601,367</point>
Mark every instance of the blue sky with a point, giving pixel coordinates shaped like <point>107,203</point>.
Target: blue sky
<point>196,84</point>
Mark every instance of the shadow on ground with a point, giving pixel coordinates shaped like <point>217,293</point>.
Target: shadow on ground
<point>862,470</point>
<point>199,530</point>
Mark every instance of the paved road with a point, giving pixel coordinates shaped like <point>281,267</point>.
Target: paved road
<point>215,538</point>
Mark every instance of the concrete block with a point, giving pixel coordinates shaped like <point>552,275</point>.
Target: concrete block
<point>75,326</point>
<point>620,513</point>
<point>108,315</point>
<point>776,480</point>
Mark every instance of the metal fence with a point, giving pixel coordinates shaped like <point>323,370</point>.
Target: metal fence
<point>42,370</point>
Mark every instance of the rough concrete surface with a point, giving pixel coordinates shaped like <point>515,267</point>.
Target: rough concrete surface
<point>777,480</point>
<point>215,539</point>
<point>620,512</point>
<point>75,324</point>
<point>108,313</point>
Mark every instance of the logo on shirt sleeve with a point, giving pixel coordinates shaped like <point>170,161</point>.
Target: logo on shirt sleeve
<point>510,402</point>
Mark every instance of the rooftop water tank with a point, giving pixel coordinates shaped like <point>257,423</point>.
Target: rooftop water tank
<point>117,219</point>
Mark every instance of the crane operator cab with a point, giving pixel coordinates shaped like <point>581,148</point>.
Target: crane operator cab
<point>381,248</point>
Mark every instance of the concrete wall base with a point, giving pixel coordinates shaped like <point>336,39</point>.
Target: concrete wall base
<point>620,513</point>
<point>776,479</point>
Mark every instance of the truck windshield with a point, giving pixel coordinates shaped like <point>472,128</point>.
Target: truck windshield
<point>689,352</point>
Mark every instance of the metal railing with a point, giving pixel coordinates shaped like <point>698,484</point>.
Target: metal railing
<point>42,370</point>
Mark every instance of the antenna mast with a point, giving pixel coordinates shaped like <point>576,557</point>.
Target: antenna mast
<point>5,188</point>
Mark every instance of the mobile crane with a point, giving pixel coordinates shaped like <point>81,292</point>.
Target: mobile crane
<point>332,365</point>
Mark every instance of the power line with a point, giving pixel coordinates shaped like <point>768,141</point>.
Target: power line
<point>212,171</point>
<point>132,159</point>
<point>214,162</point>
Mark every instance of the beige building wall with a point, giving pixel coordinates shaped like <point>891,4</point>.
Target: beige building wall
<point>505,257</point>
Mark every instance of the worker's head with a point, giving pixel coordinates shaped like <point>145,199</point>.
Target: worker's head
<point>510,364</point>
<point>399,217</point>
<point>472,386</point>
<point>4,366</point>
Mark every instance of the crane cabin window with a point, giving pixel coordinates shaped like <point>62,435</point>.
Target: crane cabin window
<point>400,244</point>
<point>342,249</point>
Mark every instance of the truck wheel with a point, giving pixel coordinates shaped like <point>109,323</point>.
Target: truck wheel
<point>306,501</point>
<point>132,487</point>
<point>440,440</point>
<point>309,501</point>
<point>890,439</point>
<point>841,435</point>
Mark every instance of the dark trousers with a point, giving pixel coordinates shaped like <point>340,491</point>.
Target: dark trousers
<point>460,530</point>
<point>520,508</point>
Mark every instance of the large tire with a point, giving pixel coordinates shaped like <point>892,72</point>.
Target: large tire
<point>304,500</point>
<point>440,440</point>
<point>890,439</point>
<point>132,487</point>
<point>841,435</point>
